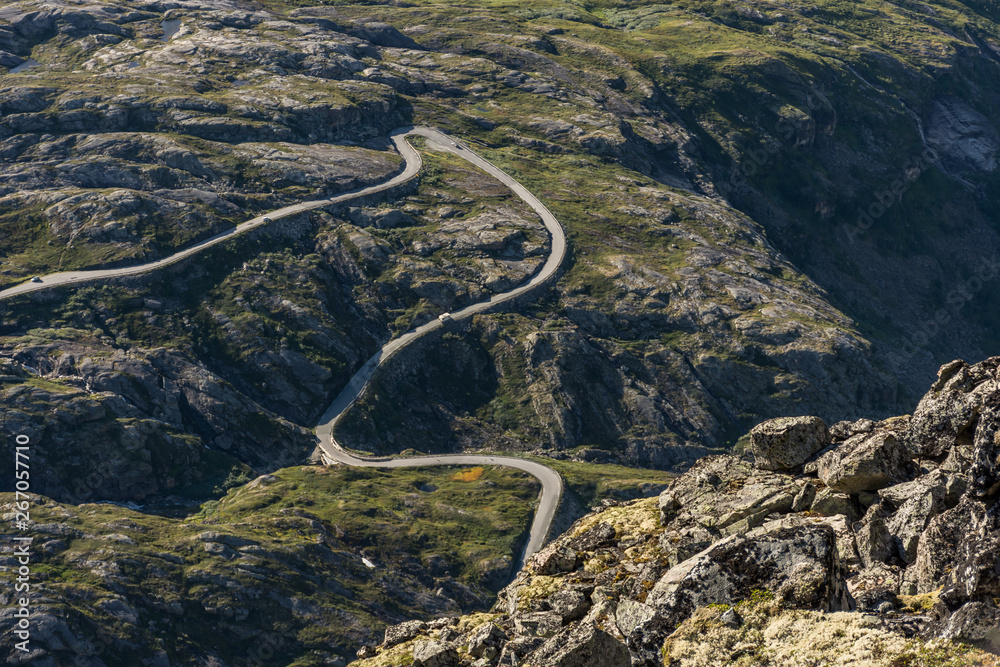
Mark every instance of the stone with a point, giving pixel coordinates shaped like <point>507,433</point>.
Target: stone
<point>726,493</point>
<point>975,623</point>
<point>569,604</point>
<point>796,558</point>
<point>865,462</point>
<point>875,586</point>
<point>946,416</point>
<point>668,507</point>
<point>787,442</point>
<point>831,503</point>
<point>402,632</point>
<point>643,629</point>
<point>936,551</point>
<point>875,544</point>
<point>513,652</point>
<point>435,654</point>
<point>553,559</point>
<point>804,498</point>
<point>845,429</point>
<point>600,535</point>
<point>581,646</point>
<point>908,523</point>
<point>486,640</point>
<point>679,544</point>
<point>538,624</point>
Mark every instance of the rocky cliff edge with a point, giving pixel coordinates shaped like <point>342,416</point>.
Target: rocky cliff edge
<point>862,543</point>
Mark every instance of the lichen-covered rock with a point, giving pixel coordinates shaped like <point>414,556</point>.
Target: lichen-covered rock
<point>435,654</point>
<point>486,641</point>
<point>580,646</point>
<point>975,623</point>
<point>787,442</point>
<point>402,632</point>
<point>709,569</point>
<point>791,638</point>
<point>724,493</point>
<point>865,462</point>
<point>553,559</point>
<point>875,588</point>
<point>799,561</point>
<point>875,544</point>
<point>944,420</point>
<point>828,502</point>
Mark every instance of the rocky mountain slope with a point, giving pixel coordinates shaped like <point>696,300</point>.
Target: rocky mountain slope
<point>868,543</point>
<point>680,321</point>
<point>303,566</point>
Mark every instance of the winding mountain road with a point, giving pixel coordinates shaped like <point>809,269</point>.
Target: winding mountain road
<point>410,170</point>
<point>332,451</point>
<point>550,479</point>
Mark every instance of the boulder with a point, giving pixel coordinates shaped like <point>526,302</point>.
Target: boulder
<point>402,632</point>
<point>845,429</point>
<point>984,471</point>
<point>796,558</point>
<point>582,645</point>
<point>599,535</point>
<point>787,442</point>
<point>908,523</point>
<point>679,544</point>
<point>865,462</point>
<point>975,623</point>
<point>875,588</point>
<point>553,559</point>
<point>726,494</point>
<point>569,604</point>
<point>435,654</point>
<point>937,549</point>
<point>804,498</point>
<point>537,624</point>
<point>486,640</point>
<point>946,416</point>
<point>831,503</point>
<point>643,629</point>
<point>875,544</point>
<point>513,652</point>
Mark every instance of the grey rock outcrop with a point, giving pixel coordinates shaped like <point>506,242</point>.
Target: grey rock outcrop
<point>865,462</point>
<point>581,646</point>
<point>435,654</point>
<point>875,526</point>
<point>787,442</point>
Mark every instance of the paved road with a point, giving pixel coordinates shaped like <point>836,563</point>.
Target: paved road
<point>333,452</point>
<point>550,479</point>
<point>412,166</point>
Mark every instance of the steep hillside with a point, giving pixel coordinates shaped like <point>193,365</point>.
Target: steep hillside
<point>680,320</point>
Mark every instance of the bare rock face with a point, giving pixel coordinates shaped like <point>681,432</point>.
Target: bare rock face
<point>787,442</point>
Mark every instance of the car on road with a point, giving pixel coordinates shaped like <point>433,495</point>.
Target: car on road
<point>445,318</point>
<point>36,279</point>
<point>267,219</point>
